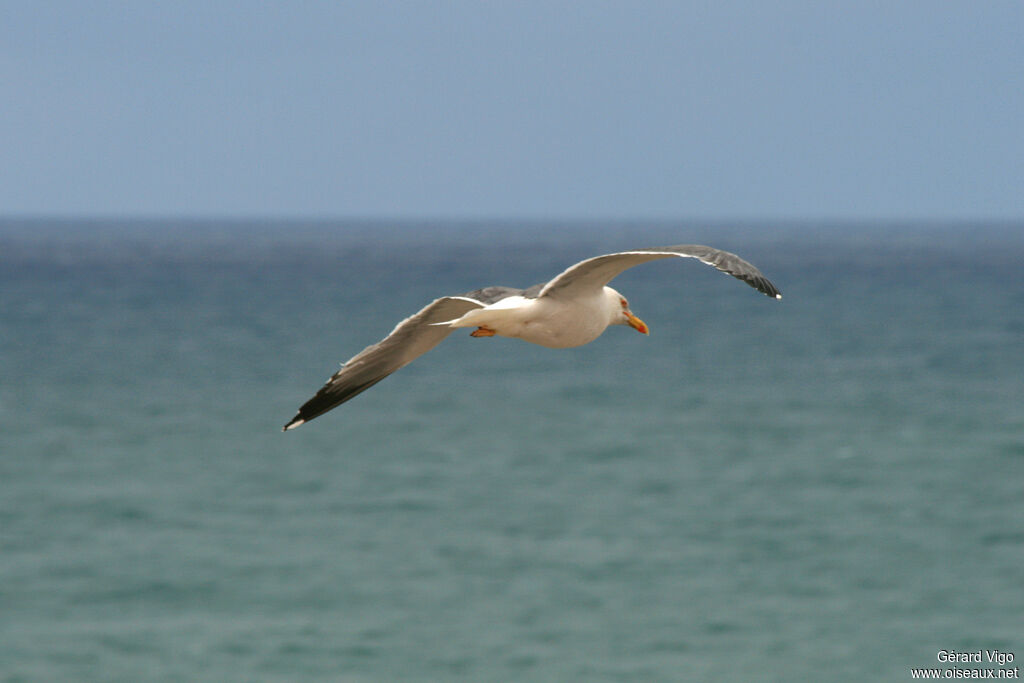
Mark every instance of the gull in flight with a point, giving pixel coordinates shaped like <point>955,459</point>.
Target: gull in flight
<point>570,310</point>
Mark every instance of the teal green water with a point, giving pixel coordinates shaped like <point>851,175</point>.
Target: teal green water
<point>826,488</point>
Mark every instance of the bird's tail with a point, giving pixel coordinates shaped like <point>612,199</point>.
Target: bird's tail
<point>491,317</point>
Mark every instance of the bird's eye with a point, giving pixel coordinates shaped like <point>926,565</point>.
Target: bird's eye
<point>625,304</point>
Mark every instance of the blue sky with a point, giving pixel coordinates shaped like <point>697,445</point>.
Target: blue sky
<point>723,109</point>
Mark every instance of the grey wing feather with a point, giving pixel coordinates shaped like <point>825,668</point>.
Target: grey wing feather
<point>599,271</point>
<point>410,339</point>
<point>490,295</point>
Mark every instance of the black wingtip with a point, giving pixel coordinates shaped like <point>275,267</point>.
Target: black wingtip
<point>296,421</point>
<point>764,285</point>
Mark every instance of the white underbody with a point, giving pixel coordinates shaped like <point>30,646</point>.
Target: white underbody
<point>547,321</point>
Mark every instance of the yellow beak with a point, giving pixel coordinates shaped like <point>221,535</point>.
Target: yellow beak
<point>636,323</point>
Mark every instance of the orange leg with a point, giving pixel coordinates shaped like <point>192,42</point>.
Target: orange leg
<point>482,332</point>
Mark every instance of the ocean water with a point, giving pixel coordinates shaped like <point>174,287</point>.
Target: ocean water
<point>830,487</point>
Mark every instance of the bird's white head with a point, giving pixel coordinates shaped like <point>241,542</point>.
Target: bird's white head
<point>619,313</point>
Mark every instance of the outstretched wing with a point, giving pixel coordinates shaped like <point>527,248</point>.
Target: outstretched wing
<point>597,272</point>
<point>410,339</point>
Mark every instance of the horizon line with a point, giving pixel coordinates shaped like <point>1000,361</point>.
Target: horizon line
<point>523,219</point>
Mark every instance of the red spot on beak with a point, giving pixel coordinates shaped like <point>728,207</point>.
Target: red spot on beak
<point>637,324</point>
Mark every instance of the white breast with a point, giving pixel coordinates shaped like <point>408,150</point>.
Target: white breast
<point>547,321</point>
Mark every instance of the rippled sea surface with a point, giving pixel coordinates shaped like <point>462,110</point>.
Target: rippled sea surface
<point>830,487</point>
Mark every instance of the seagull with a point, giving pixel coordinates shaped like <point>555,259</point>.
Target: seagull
<point>570,310</point>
